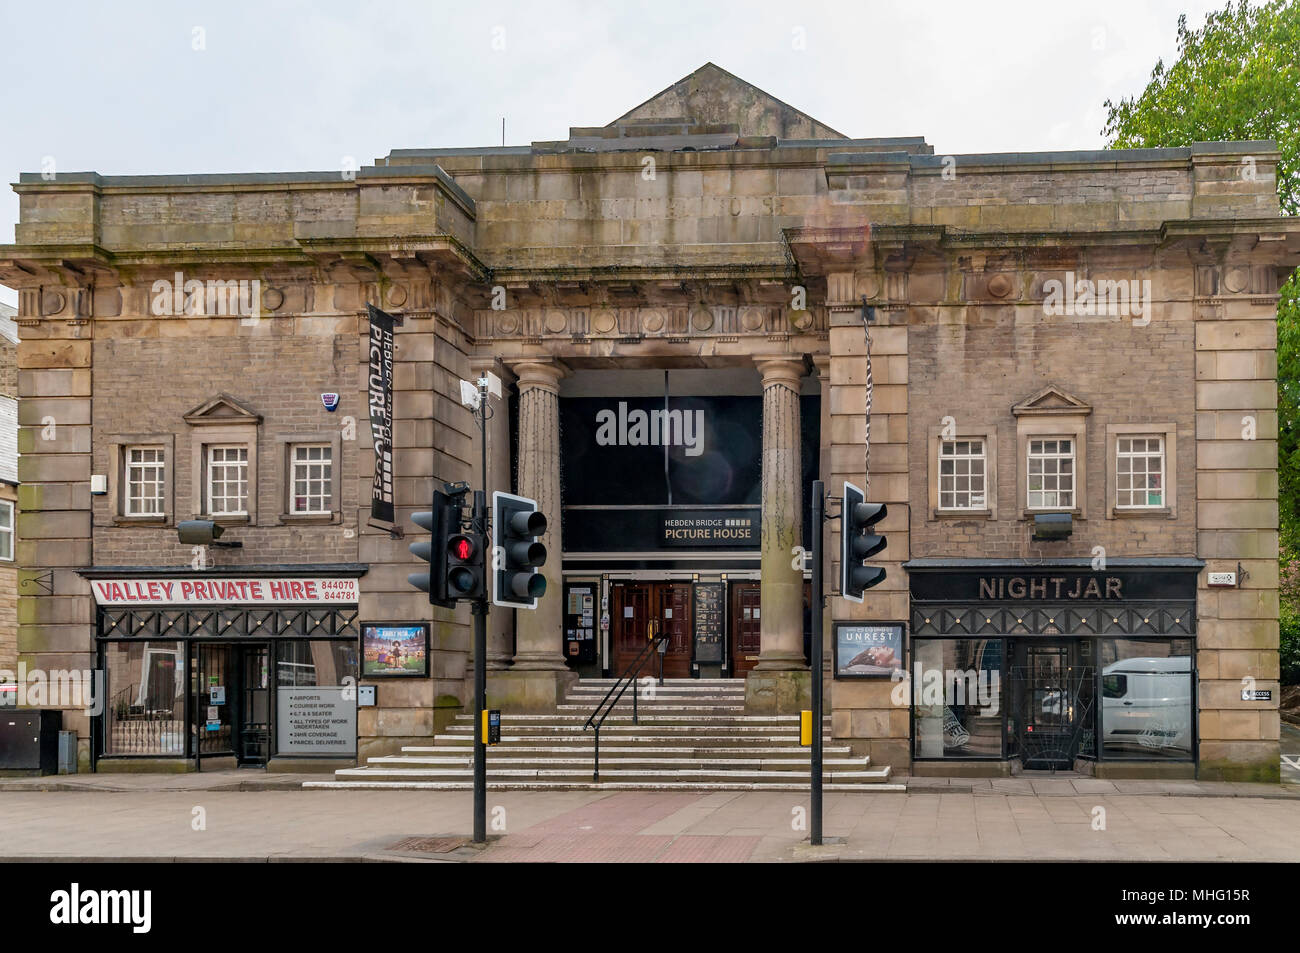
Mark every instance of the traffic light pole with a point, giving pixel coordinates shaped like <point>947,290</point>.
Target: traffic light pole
<point>818,617</point>
<point>480,611</point>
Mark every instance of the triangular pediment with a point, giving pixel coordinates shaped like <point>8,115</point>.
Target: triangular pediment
<point>222,409</point>
<point>713,97</point>
<point>1051,400</point>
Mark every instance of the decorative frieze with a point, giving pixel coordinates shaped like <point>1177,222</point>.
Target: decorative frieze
<point>664,321</point>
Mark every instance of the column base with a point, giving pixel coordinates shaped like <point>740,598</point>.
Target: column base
<point>777,693</point>
<point>529,692</point>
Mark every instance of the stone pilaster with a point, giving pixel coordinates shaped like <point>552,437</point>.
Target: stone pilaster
<point>865,712</point>
<point>500,628</point>
<point>780,680</point>
<point>53,539</point>
<point>1236,520</point>
<point>539,679</point>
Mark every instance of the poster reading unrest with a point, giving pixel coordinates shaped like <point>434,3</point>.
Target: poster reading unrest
<point>868,650</point>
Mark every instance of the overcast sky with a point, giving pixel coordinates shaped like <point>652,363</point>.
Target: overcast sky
<point>137,86</point>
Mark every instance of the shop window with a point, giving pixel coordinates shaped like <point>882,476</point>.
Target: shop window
<point>309,664</point>
<point>1051,436</point>
<point>1051,474</point>
<point>310,475</point>
<point>146,470</point>
<point>1139,480</point>
<point>227,481</point>
<point>1142,460</point>
<point>140,478</point>
<point>145,709</point>
<point>1147,699</point>
<point>224,460</point>
<point>313,480</point>
<point>963,473</point>
<point>956,687</point>
<point>6,530</point>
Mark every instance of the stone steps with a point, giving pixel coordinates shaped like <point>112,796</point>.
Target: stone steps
<point>692,735</point>
<point>874,787</point>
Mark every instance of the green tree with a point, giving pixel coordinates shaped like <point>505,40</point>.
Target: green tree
<point>1238,77</point>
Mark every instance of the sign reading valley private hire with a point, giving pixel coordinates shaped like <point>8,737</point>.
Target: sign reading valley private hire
<point>225,592</point>
<point>317,720</point>
<point>380,389</point>
<point>711,528</point>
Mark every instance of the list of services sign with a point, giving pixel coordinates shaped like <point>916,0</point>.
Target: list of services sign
<point>316,721</point>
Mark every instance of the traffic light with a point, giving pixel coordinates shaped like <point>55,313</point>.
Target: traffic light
<point>444,518</point>
<point>858,543</point>
<point>463,553</point>
<point>516,524</point>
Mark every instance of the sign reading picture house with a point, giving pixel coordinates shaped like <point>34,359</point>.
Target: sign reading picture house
<point>380,388</point>
<point>683,473</point>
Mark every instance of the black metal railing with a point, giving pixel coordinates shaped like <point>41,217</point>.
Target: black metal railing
<point>615,693</point>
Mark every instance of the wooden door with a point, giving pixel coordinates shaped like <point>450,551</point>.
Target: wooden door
<point>746,625</point>
<point>633,609</point>
<point>674,609</point>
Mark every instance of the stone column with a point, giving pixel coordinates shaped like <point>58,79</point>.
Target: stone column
<point>780,681</point>
<point>539,679</point>
<point>500,627</point>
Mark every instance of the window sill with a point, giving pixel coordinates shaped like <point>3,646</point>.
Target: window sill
<point>1137,513</point>
<point>308,518</point>
<point>961,514</point>
<point>226,519</point>
<point>1029,515</point>
<point>140,520</point>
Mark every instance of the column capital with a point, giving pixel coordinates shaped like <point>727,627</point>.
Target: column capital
<point>785,370</point>
<point>544,375</point>
<point>823,364</point>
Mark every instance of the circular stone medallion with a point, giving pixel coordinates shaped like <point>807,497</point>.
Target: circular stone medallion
<point>603,321</point>
<point>653,321</point>
<point>555,321</point>
<point>702,319</point>
<point>751,319</point>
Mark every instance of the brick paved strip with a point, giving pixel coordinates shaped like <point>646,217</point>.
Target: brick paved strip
<point>709,849</point>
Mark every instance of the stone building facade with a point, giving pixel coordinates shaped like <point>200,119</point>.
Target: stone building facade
<point>715,250</point>
<point>8,490</point>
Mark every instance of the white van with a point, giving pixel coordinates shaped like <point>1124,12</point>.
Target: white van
<point>1146,703</point>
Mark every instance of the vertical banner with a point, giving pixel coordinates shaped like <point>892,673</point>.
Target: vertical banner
<point>381,413</point>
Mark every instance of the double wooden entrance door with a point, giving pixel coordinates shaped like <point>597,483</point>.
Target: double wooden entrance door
<point>644,609</point>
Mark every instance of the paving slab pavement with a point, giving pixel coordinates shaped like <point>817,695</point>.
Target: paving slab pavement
<point>291,824</point>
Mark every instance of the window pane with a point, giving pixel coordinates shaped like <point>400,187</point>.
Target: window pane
<point>1146,698</point>
<point>145,709</point>
<point>958,698</point>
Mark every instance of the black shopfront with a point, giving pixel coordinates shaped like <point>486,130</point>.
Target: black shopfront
<point>661,493</point>
<point>1061,665</point>
<point>227,666</point>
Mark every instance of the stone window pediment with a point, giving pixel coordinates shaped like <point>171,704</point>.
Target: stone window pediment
<point>1052,401</point>
<point>222,410</point>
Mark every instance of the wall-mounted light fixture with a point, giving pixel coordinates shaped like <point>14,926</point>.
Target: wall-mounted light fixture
<point>1052,527</point>
<point>203,533</point>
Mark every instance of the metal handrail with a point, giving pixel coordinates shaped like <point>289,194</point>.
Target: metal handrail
<point>597,717</point>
